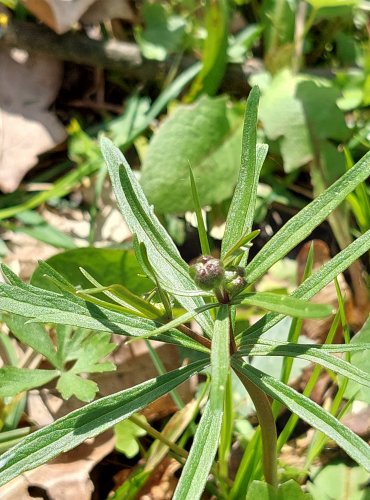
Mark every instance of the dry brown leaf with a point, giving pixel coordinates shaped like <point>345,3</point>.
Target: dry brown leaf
<point>61,15</point>
<point>28,85</point>
<point>65,478</point>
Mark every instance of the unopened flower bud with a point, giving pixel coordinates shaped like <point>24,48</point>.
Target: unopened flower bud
<point>207,272</point>
<point>234,280</point>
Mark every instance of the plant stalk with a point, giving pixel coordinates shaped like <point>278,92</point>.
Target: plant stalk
<point>268,429</point>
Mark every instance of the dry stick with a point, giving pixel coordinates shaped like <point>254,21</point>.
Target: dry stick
<point>120,56</point>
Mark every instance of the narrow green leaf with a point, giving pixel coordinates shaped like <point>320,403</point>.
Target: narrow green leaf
<point>87,422</point>
<point>220,358</point>
<point>201,456</point>
<point>246,238</point>
<point>180,320</point>
<point>214,56</point>
<point>240,217</point>
<point>313,284</point>
<point>203,238</point>
<point>284,304</point>
<point>204,447</point>
<point>301,225</point>
<point>49,307</point>
<point>170,267</point>
<point>310,412</point>
<point>14,380</point>
<point>316,354</point>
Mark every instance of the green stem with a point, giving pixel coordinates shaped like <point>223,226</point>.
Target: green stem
<point>268,429</point>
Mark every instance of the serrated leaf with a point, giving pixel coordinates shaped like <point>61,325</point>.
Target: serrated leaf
<point>289,490</point>
<point>70,384</point>
<point>89,421</point>
<point>33,335</point>
<point>310,412</point>
<point>14,380</point>
<point>171,269</point>
<point>126,433</point>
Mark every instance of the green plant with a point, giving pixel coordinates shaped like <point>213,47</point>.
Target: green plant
<point>114,308</point>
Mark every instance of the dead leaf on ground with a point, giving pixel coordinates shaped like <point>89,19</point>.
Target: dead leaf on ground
<point>65,478</point>
<point>24,253</point>
<point>28,85</point>
<point>61,15</point>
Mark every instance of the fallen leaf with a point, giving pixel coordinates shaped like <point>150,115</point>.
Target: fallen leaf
<point>28,85</point>
<point>61,15</point>
<point>65,478</point>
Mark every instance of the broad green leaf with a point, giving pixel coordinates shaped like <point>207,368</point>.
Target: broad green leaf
<point>294,105</point>
<point>208,136</point>
<point>240,216</point>
<point>87,422</point>
<point>214,57</point>
<point>70,384</point>
<point>14,380</point>
<point>310,412</point>
<point>287,491</point>
<point>316,282</point>
<point>126,433</point>
<point>33,335</point>
<point>220,358</point>
<point>48,307</point>
<point>106,265</point>
<point>162,252</point>
<point>360,359</point>
<point>284,304</point>
<point>316,354</point>
<point>340,481</point>
<point>201,456</point>
<point>163,33</point>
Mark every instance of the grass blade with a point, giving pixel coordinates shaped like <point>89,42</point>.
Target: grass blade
<point>203,238</point>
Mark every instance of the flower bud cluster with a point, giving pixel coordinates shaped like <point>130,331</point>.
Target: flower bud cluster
<point>209,274</point>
